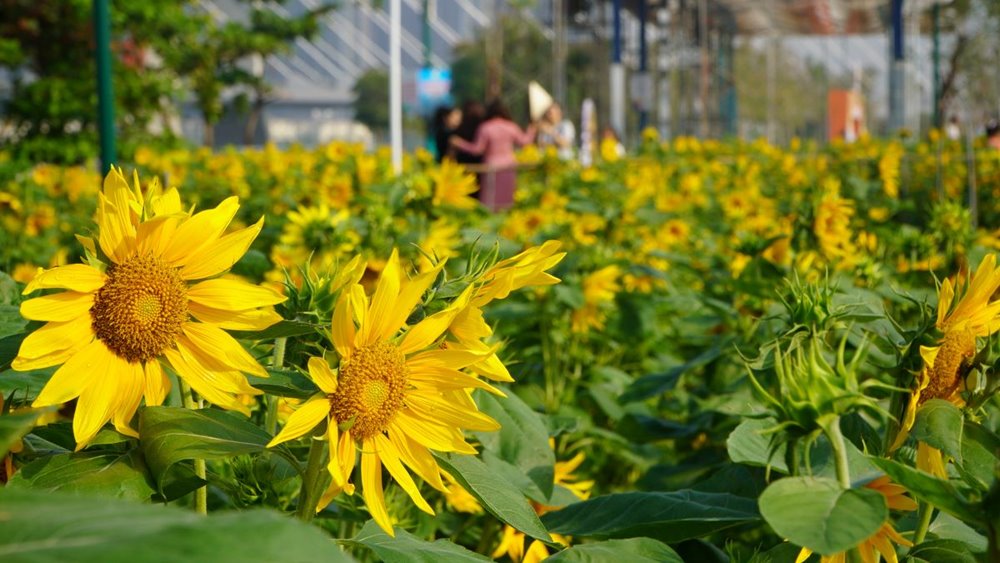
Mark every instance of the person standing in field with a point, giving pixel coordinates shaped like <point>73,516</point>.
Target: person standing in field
<point>495,140</point>
<point>554,131</point>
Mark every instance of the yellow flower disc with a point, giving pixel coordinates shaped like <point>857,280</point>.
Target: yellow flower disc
<point>140,309</point>
<point>370,389</point>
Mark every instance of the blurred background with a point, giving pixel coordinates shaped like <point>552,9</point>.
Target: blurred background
<point>230,72</point>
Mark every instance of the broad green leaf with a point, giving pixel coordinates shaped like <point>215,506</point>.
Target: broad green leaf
<point>15,426</point>
<point>669,517</point>
<point>942,551</point>
<point>655,384</point>
<point>11,321</point>
<point>817,513</point>
<point>26,384</point>
<point>746,444</point>
<point>523,439</point>
<point>44,527</point>
<point>170,435</point>
<point>980,448</point>
<point>494,493</point>
<point>285,383</point>
<point>120,475</point>
<point>8,349</point>
<point>281,329</point>
<point>9,292</point>
<point>939,424</point>
<point>946,526</point>
<point>406,547</point>
<point>928,488</point>
<point>634,550</point>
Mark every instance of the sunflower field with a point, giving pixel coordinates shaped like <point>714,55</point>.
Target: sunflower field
<point>702,351</point>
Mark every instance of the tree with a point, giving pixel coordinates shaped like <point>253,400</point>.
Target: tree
<point>371,105</point>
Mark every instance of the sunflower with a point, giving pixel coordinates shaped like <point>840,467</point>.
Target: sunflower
<point>113,325</point>
<point>879,544</point>
<point>395,396</point>
<point>960,323</point>
<point>599,289</point>
<point>453,186</point>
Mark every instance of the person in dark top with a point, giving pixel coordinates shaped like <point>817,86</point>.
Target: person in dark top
<point>444,124</point>
<point>473,114</point>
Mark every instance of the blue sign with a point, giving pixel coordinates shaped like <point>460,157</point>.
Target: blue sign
<point>433,89</point>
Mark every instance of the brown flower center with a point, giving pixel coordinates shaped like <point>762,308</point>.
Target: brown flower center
<point>370,389</point>
<point>140,309</point>
<point>946,374</point>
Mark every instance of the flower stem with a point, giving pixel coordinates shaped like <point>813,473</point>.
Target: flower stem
<point>836,438</point>
<point>309,492</point>
<point>925,513</point>
<point>201,493</point>
<point>270,401</point>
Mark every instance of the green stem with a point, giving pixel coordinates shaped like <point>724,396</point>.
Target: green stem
<point>271,414</point>
<point>924,515</point>
<point>310,491</point>
<point>201,493</point>
<point>836,438</point>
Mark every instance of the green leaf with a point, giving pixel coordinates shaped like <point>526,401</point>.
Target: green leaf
<point>9,292</point>
<point>15,426</point>
<point>170,435</point>
<point>946,526</point>
<point>980,448</point>
<point>523,439</point>
<point>939,424</point>
<point>669,517</point>
<point>282,329</point>
<point>942,551</point>
<point>634,550</point>
<point>285,383</point>
<point>817,513</point>
<point>120,475</point>
<point>746,444</point>
<point>407,547</point>
<point>655,384</point>
<point>11,321</point>
<point>494,493</point>
<point>928,488</point>
<point>26,384</point>
<point>8,349</point>
<point>44,527</point>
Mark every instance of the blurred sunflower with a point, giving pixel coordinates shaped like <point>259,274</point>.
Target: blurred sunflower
<point>453,185</point>
<point>395,396</point>
<point>960,323</point>
<point>112,326</point>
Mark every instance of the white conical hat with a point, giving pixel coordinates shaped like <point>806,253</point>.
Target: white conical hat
<point>539,101</point>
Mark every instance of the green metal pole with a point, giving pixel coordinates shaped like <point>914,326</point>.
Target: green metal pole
<point>105,95</point>
<point>426,29</point>
<point>936,21</point>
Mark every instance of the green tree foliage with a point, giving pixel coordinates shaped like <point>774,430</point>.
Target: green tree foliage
<point>371,105</point>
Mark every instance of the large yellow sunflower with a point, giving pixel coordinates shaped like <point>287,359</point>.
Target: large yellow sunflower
<point>114,323</point>
<point>960,323</point>
<point>395,395</point>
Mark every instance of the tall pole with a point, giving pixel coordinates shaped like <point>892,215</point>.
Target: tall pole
<point>617,73</point>
<point>426,33</point>
<point>897,71</point>
<point>936,96</point>
<point>559,51</point>
<point>105,94</point>
<point>703,90</point>
<point>643,67</point>
<point>395,86</point>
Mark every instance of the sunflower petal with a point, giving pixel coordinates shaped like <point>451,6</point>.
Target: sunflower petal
<point>220,255</point>
<point>216,343</point>
<point>383,303</point>
<point>59,307</point>
<point>79,372</point>
<point>157,383</point>
<point>387,454</point>
<point>342,330</point>
<point>251,319</point>
<point>202,229</point>
<point>204,382</point>
<point>131,382</point>
<point>303,420</point>
<point>322,375</point>
<point>53,338</point>
<point>410,294</point>
<point>75,277</point>
<point>371,486</point>
<point>233,295</point>
<point>418,458</point>
<point>98,399</point>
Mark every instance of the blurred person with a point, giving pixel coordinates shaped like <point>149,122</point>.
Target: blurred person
<point>473,115</point>
<point>952,131</point>
<point>495,140</point>
<point>611,144</point>
<point>555,131</point>
<point>444,124</point>
<point>993,134</point>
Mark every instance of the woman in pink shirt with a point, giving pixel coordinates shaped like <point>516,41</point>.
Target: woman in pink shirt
<point>495,140</point>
